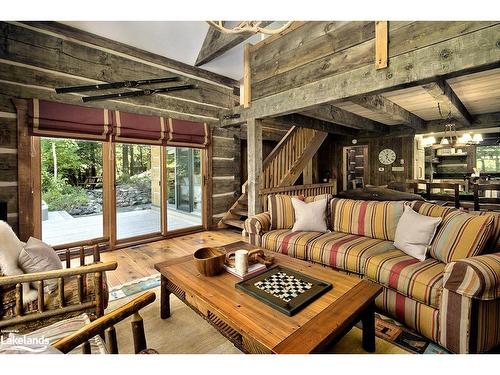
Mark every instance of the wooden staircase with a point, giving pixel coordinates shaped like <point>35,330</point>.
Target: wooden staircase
<point>282,167</point>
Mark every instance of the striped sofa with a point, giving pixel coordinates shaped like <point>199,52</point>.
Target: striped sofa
<point>454,301</point>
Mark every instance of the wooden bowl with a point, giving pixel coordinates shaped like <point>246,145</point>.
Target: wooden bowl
<point>210,260</point>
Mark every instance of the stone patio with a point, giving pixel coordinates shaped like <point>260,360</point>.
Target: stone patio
<point>62,228</point>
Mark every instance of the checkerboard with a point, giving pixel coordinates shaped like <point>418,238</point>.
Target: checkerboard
<point>283,286</point>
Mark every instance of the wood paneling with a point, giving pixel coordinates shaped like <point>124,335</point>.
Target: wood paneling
<point>331,158</point>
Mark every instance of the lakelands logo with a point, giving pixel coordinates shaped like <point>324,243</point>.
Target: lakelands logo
<point>25,343</point>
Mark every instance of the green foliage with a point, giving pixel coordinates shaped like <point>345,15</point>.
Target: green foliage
<point>59,195</point>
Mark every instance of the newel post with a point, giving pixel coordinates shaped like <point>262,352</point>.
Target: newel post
<point>254,144</point>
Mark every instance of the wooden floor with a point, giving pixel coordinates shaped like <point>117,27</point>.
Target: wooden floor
<point>138,261</point>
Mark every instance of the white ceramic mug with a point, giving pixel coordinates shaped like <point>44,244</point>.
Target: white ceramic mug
<point>241,262</point>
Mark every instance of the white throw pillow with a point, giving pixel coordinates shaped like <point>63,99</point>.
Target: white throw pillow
<point>37,256</point>
<point>309,216</point>
<point>10,248</point>
<point>415,232</point>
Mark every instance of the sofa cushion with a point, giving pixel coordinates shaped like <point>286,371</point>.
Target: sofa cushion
<point>431,209</point>
<point>461,235</point>
<point>366,218</point>
<point>493,245</point>
<point>281,209</point>
<point>287,242</point>
<point>310,216</point>
<point>415,232</point>
<point>419,280</point>
<point>347,252</point>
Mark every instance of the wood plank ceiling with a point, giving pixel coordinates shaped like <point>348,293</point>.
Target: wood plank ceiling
<point>479,93</point>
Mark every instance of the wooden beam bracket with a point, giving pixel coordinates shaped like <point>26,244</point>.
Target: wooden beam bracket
<point>381,44</point>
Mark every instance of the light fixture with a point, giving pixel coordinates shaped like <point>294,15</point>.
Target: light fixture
<point>252,27</point>
<point>429,141</point>
<point>477,138</point>
<point>444,141</point>
<point>465,138</point>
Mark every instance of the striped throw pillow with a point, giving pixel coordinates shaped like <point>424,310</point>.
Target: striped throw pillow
<point>431,209</point>
<point>281,209</point>
<point>366,218</point>
<point>461,235</point>
<point>493,245</point>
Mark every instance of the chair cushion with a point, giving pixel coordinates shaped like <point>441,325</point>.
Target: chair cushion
<point>347,252</point>
<point>366,218</point>
<point>63,328</point>
<point>281,209</point>
<point>421,281</point>
<point>287,242</point>
<point>461,235</point>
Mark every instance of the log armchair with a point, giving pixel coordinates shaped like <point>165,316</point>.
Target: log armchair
<point>79,289</point>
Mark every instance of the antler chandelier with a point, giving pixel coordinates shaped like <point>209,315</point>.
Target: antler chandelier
<point>253,27</point>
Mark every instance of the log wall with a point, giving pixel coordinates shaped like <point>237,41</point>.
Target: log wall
<point>36,57</point>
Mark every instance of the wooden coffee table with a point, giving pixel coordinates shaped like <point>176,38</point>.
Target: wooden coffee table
<point>254,327</point>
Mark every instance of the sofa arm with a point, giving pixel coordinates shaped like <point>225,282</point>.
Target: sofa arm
<point>256,226</point>
<point>476,277</point>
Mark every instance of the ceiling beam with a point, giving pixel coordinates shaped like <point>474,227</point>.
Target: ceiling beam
<point>478,52</point>
<point>302,121</point>
<point>383,106</point>
<point>342,117</point>
<point>217,43</point>
<point>442,92</point>
<point>176,67</point>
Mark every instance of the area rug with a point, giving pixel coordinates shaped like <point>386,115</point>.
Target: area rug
<point>392,337</point>
<point>133,287</point>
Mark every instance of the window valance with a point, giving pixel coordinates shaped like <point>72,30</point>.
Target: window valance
<point>52,119</point>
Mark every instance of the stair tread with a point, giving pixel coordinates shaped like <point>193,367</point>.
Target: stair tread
<point>234,222</point>
<point>240,211</point>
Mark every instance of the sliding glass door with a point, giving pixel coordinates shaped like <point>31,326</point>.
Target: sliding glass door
<point>184,188</point>
<point>137,190</point>
<point>126,192</point>
<point>71,190</point>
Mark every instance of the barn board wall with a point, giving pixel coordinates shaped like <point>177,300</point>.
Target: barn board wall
<point>319,49</point>
<point>331,158</point>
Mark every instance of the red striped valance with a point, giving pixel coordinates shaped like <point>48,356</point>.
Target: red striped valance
<point>52,119</point>
<point>131,127</point>
<point>187,133</point>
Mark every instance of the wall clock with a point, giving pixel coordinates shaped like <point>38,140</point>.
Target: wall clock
<point>387,156</point>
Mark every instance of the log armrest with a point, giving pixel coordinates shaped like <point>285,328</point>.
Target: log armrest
<point>256,226</point>
<point>56,274</point>
<point>476,277</point>
<point>104,326</point>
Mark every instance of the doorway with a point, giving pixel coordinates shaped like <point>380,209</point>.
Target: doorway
<point>355,169</point>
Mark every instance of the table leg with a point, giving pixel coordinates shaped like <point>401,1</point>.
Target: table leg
<point>368,322</point>
<point>164,299</point>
